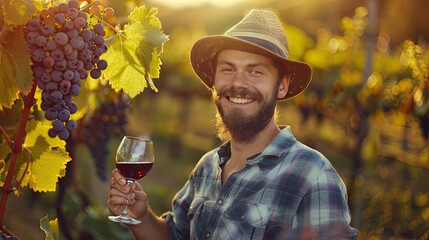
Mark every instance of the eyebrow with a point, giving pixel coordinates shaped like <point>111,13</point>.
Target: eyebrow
<point>248,65</point>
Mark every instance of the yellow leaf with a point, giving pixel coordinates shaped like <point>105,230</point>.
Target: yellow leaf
<point>7,80</point>
<point>50,227</point>
<point>133,53</point>
<point>18,12</point>
<point>49,158</point>
<point>15,74</point>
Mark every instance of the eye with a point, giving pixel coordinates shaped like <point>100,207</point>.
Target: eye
<point>255,72</point>
<point>226,70</point>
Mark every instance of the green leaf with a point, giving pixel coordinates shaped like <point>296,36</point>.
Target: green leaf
<point>49,158</point>
<point>50,227</point>
<point>133,53</point>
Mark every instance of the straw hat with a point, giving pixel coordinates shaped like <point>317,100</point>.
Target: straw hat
<point>260,32</point>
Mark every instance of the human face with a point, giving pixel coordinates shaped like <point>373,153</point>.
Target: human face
<point>245,91</point>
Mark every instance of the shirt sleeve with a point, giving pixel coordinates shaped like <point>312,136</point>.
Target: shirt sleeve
<point>323,212</point>
<point>177,219</point>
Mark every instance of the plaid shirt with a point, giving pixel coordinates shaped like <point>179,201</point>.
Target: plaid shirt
<point>289,191</point>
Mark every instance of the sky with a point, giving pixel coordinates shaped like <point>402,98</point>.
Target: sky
<point>187,3</point>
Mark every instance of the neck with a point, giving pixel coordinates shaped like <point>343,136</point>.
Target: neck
<point>243,150</point>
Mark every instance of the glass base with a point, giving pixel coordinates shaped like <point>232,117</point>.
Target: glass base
<point>124,219</point>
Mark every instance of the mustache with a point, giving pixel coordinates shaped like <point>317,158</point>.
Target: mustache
<point>238,92</point>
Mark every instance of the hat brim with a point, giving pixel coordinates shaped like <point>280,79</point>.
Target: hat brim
<point>204,51</point>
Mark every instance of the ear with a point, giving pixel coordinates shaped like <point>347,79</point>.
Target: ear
<point>284,86</point>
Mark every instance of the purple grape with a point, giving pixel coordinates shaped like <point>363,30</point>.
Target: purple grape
<point>75,90</point>
<point>61,38</point>
<point>71,125</point>
<point>52,133</point>
<point>64,134</point>
<point>102,64</point>
<point>56,96</point>
<point>51,86</point>
<point>67,49</point>
<point>61,65</point>
<point>98,51</point>
<point>68,25</point>
<point>77,43</point>
<point>86,35</point>
<point>57,54</point>
<point>72,107</point>
<point>38,72</point>
<point>60,18</point>
<point>63,7</point>
<point>47,30</point>
<point>31,37</point>
<point>51,45</point>
<point>33,25</point>
<point>72,33</point>
<point>99,29</point>
<point>57,125</point>
<point>68,74</point>
<point>38,55</point>
<point>99,40</point>
<point>41,41</point>
<point>57,76</point>
<point>73,4</point>
<point>72,13</point>
<point>65,87</point>
<point>64,115</point>
<point>79,22</point>
<point>95,73</point>
<point>45,78</point>
<point>51,114</point>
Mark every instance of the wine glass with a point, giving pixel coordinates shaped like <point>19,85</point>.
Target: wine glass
<point>134,159</point>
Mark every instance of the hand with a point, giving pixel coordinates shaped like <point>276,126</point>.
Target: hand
<point>137,198</point>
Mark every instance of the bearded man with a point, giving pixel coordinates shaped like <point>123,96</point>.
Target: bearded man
<point>262,183</point>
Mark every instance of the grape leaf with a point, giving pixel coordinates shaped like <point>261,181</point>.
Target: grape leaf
<point>49,158</point>
<point>7,79</point>
<point>15,74</point>
<point>50,227</point>
<point>134,51</point>
<point>18,12</point>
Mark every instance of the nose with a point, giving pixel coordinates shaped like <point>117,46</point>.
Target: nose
<point>239,79</point>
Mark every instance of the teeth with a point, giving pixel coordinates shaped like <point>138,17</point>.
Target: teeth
<point>240,100</point>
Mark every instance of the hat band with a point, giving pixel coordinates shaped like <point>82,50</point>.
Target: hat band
<point>265,44</point>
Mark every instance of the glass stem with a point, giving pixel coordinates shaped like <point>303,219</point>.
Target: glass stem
<point>125,212</point>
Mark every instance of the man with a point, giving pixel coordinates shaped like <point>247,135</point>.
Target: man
<point>262,183</point>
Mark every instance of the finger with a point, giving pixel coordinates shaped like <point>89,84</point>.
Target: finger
<point>117,189</point>
<point>116,200</point>
<point>118,177</point>
<point>140,196</point>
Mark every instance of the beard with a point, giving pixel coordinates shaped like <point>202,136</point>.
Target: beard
<point>236,124</point>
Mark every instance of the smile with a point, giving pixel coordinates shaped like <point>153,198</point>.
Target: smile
<point>240,100</point>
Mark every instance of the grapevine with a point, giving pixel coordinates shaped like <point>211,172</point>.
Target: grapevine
<point>64,47</point>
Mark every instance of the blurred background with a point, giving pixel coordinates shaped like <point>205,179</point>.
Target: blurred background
<point>366,109</point>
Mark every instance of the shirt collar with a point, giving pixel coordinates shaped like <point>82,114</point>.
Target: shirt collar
<point>278,147</point>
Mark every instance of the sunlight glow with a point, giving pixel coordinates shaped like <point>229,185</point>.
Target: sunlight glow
<point>193,3</point>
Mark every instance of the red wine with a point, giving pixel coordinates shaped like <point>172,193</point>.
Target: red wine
<point>134,170</point>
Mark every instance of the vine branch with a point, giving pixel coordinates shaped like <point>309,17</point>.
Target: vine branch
<point>16,147</point>
<point>6,136</point>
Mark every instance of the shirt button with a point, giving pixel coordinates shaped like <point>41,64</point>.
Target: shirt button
<point>208,234</point>
<point>219,201</point>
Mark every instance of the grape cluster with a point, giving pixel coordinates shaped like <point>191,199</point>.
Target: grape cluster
<point>64,47</point>
<point>109,119</point>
